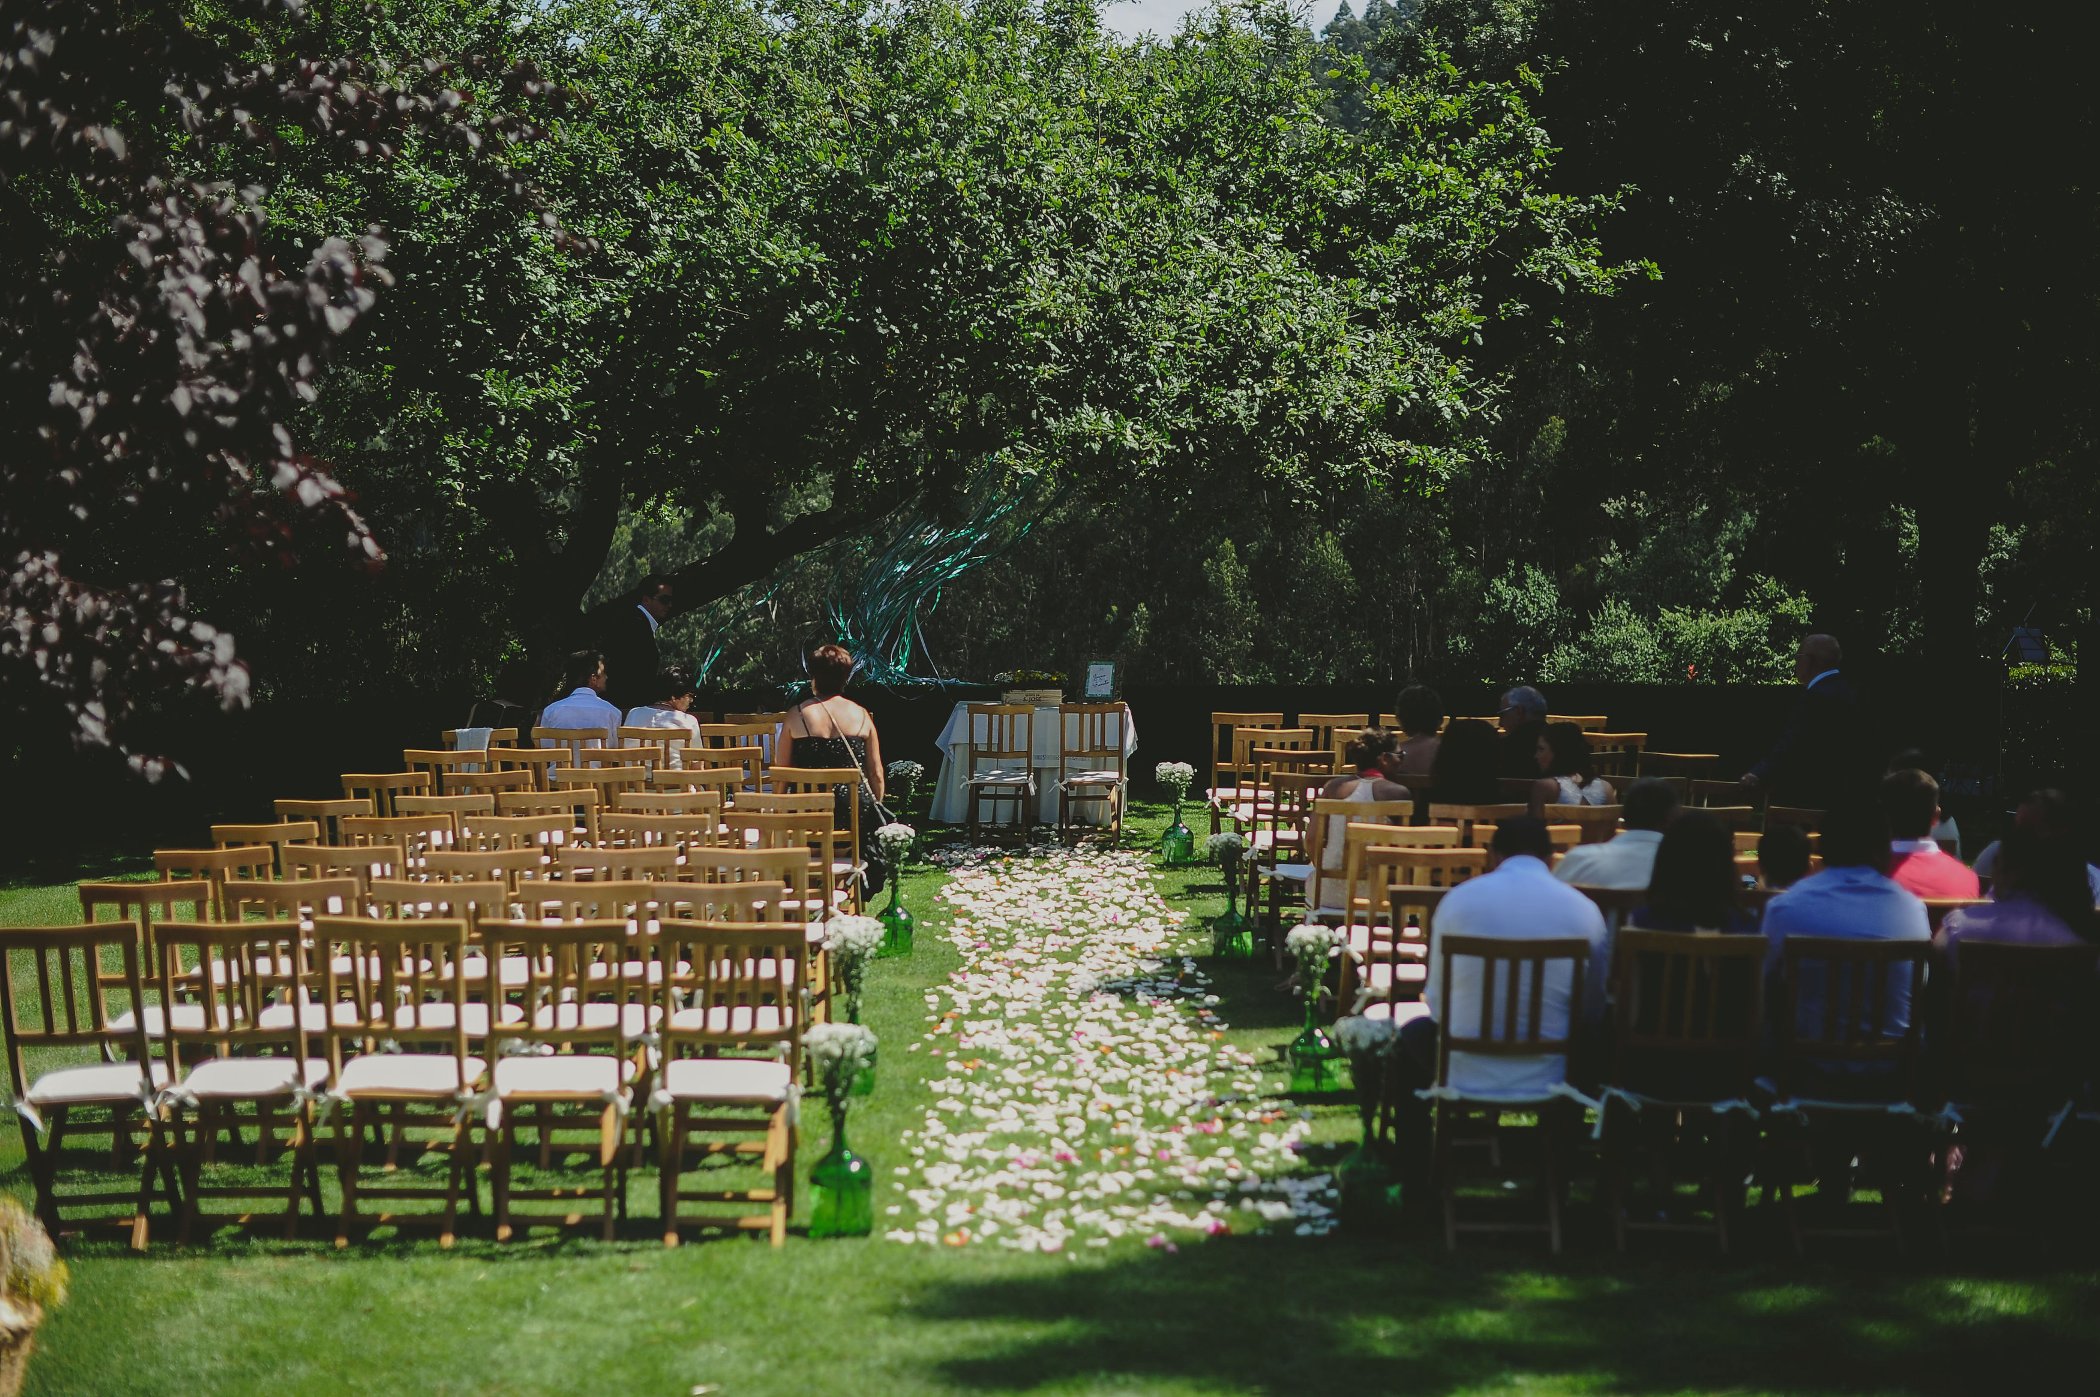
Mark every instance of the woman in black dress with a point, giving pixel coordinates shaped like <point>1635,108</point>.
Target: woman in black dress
<point>827,729</point>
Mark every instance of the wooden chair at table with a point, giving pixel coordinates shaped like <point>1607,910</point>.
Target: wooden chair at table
<point>1688,1020</point>
<point>579,805</point>
<point>542,834</point>
<point>588,1017</point>
<point>1508,1022</point>
<point>218,867</point>
<point>1475,823</point>
<point>731,1034</point>
<point>239,1054</point>
<point>272,836</point>
<point>487,783</point>
<point>535,762</point>
<point>848,874</point>
<point>60,989</point>
<point>998,761</point>
<point>1092,768</point>
<point>398,982</point>
<point>327,814</point>
<point>380,787</point>
<point>1852,1070</point>
<point>1599,823</point>
<point>1618,754</point>
<point>1395,965</point>
<point>1225,749</point>
<point>585,746</point>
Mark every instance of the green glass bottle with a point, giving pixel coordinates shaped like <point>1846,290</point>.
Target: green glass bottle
<point>842,1198</point>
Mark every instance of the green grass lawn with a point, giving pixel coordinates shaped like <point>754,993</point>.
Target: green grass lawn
<point>1233,1314</point>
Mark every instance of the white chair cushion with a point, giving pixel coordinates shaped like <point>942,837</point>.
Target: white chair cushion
<point>514,970</point>
<point>1292,872</point>
<point>1002,776</point>
<point>725,1079</point>
<point>729,1019</point>
<point>187,1017</point>
<point>436,1076</point>
<point>1401,1014</point>
<point>596,1014</point>
<point>1378,975</point>
<point>317,1016</point>
<point>582,1075</point>
<point>437,1018</point>
<point>100,1083</point>
<point>251,1078</point>
<point>1092,778</point>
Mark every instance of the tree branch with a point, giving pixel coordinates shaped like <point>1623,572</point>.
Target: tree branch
<point>754,551</point>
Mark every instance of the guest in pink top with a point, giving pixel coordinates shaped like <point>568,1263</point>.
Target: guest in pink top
<point>1911,800</point>
<point>2040,897</point>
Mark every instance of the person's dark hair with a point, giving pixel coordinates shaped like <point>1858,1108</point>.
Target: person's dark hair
<point>2052,813</point>
<point>1419,710</point>
<point>1650,803</point>
<point>1695,878</point>
<point>1782,855</point>
<point>1910,802</point>
<point>576,672</point>
<point>1368,746</point>
<point>1571,751</point>
<point>2051,870</point>
<point>1856,835</point>
<point>654,583</point>
<point>1522,834</point>
<point>671,681</point>
<point>830,666</point>
<point>1464,770</point>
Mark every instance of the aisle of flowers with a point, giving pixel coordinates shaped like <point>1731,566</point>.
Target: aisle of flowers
<point>1090,1093</point>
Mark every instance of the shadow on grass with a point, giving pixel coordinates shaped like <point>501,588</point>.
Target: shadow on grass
<point>1279,1314</point>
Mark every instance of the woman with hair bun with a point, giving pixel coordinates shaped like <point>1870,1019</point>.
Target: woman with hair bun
<point>827,729</point>
<point>1371,754</point>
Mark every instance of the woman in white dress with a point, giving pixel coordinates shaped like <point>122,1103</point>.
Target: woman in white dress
<point>1567,771</point>
<point>1371,756</point>
<point>671,708</point>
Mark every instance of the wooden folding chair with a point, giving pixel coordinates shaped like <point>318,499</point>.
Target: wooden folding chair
<point>535,762</point>
<point>437,763</point>
<point>761,730</point>
<point>362,863</point>
<point>628,829</point>
<point>1333,732</point>
<point>666,747</point>
<point>998,762</point>
<point>55,995</point>
<point>1588,722</point>
<point>1475,823</point>
<point>725,783</point>
<point>238,1053</point>
<point>1618,754</point>
<point>746,765</point>
<point>579,805</point>
<point>1801,815</point>
<point>300,899</point>
<point>150,906</point>
<point>843,785</point>
<point>1509,1022</point>
<point>731,1031</point>
<point>1225,749</point>
<point>380,787</point>
<point>610,782</point>
<point>1277,842</point>
<point>275,837</point>
<point>412,837</point>
<point>1850,1070</point>
<point>623,864</point>
<point>1599,823</point>
<point>487,783</point>
<point>1688,1019</point>
<point>539,834</point>
<point>398,982</point>
<point>1688,766</point>
<point>808,900</point>
<point>218,867</point>
<point>327,814</point>
<point>588,1015</point>
<point>1392,962</point>
<point>498,737</point>
<point>455,810</point>
<point>585,746</point>
<point>694,803</point>
<point>820,802</point>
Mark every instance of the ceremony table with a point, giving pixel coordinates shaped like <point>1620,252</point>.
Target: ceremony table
<point>950,793</point>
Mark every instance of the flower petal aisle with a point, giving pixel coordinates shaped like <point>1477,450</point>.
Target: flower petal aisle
<point>1090,1092</point>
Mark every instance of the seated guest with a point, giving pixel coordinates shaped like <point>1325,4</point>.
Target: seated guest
<point>2050,814</point>
<point>1522,719</point>
<point>2040,897</point>
<point>1910,802</point>
<point>1782,856</point>
<point>1947,832</point>
<point>1566,772</point>
<point>1420,713</point>
<point>1516,899</point>
<point>585,706</point>
<point>1464,772</point>
<point>1696,883</point>
<point>1854,899</point>
<point>669,707</point>
<point>1627,860</point>
<point>1370,755</point>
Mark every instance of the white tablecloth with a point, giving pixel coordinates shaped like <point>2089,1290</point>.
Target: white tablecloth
<point>950,803</point>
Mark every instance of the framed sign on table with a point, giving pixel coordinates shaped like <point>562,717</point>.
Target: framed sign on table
<point>1100,681</point>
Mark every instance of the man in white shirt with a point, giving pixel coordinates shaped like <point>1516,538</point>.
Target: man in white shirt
<point>1517,899</point>
<point>584,677</point>
<point>1626,861</point>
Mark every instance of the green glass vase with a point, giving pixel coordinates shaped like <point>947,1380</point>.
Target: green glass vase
<point>1233,933</point>
<point>897,927</point>
<point>1178,844</point>
<point>864,1083</point>
<point>842,1190</point>
<point>1315,1065</point>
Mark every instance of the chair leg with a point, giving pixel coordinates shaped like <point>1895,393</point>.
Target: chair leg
<point>608,1152</point>
<point>783,1171</point>
<point>670,1156</point>
<point>350,1146</point>
<point>189,1157</point>
<point>141,1214</point>
<point>499,1145</point>
<point>302,1143</point>
<point>456,1160</point>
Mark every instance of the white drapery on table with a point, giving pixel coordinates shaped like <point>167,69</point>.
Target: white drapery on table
<point>950,794</point>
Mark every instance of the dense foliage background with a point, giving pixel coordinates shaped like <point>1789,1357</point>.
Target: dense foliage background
<point>1474,339</point>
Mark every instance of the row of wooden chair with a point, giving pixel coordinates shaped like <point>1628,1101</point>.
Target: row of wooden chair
<point>999,765</point>
<point>423,1024</point>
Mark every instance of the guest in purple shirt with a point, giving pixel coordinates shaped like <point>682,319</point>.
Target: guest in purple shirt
<point>2040,897</point>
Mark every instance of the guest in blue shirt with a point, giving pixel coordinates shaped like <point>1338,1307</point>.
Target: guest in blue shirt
<point>1854,899</point>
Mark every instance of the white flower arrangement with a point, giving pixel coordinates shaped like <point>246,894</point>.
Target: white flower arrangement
<point>905,772</point>
<point>1226,846</point>
<point>838,1053</point>
<point>895,840</point>
<point>852,942</point>
<point>1362,1037</point>
<point>1309,942</point>
<point>1176,777</point>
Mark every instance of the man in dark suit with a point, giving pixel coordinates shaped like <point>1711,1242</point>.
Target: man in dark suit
<point>1822,758</point>
<point>626,633</point>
